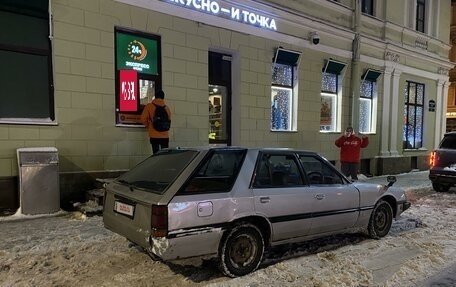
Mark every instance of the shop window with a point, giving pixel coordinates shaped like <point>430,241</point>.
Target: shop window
<point>367,101</point>
<point>25,57</point>
<point>413,116</point>
<point>330,96</point>
<point>367,7</point>
<point>138,74</point>
<point>284,90</point>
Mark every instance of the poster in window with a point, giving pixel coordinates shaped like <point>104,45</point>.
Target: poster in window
<point>325,111</point>
<point>128,91</point>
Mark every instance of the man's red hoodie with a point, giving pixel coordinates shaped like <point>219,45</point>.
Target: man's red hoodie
<point>350,147</point>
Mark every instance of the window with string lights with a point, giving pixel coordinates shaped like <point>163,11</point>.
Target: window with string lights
<point>330,96</point>
<point>368,101</point>
<point>412,133</point>
<point>284,90</point>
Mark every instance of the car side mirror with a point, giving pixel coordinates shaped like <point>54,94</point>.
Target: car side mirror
<point>391,180</point>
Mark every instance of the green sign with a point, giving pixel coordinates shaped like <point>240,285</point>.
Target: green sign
<point>136,53</point>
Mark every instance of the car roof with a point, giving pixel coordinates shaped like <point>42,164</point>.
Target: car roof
<point>266,149</point>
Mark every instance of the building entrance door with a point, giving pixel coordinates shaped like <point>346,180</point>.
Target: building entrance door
<point>219,98</point>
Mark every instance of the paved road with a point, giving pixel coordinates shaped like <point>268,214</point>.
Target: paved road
<point>447,277</point>
<point>67,251</point>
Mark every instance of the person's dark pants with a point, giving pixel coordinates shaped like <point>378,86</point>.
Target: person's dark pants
<point>158,144</point>
<point>350,169</point>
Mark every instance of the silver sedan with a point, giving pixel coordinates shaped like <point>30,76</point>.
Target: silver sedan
<point>233,203</point>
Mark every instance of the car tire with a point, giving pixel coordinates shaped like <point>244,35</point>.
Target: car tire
<point>380,220</point>
<point>441,187</point>
<point>241,250</point>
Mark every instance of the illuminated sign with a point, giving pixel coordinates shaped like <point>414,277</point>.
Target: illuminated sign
<point>136,53</point>
<point>128,92</point>
<point>230,12</point>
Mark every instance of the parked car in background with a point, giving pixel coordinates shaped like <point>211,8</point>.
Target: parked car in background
<point>233,203</point>
<point>442,169</point>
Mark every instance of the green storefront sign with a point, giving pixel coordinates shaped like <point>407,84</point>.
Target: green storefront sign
<point>136,53</point>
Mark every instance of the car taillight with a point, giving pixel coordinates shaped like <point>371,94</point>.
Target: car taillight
<point>159,220</point>
<point>432,159</point>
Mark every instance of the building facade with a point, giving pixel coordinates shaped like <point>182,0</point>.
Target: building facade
<point>249,72</point>
<point>451,108</point>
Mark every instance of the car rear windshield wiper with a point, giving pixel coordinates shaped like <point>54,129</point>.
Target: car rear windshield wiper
<point>123,181</point>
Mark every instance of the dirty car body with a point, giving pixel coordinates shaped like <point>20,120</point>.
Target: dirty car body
<point>234,202</point>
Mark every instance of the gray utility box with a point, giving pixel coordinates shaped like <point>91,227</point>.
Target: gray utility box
<point>38,180</point>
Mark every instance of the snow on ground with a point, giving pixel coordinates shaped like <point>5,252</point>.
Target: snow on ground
<point>70,249</point>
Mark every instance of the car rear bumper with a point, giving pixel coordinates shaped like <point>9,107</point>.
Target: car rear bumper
<point>186,243</point>
<point>442,178</point>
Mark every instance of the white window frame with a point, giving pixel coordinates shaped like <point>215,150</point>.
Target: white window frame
<point>373,108</point>
<point>416,106</point>
<point>292,115</point>
<point>371,76</point>
<point>292,108</point>
<point>431,16</point>
<point>336,114</point>
<point>337,103</point>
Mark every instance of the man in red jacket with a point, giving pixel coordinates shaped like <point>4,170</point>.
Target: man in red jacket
<point>350,149</point>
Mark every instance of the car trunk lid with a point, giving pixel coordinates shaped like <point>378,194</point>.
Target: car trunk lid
<point>135,204</point>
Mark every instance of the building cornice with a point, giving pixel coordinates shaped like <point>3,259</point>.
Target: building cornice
<point>412,33</point>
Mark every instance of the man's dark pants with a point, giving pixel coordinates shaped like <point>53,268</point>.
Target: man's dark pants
<point>350,169</point>
<point>158,144</point>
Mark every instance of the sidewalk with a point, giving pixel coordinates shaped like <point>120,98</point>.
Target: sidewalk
<point>412,180</point>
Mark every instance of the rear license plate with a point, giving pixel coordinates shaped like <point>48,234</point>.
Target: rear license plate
<point>124,208</point>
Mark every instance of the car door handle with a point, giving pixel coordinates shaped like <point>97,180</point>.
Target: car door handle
<point>264,199</point>
<point>319,196</point>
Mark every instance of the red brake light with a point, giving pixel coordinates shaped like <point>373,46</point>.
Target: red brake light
<point>159,220</point>
<point>432,159</point>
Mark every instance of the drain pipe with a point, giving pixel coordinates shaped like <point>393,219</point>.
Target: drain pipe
<point>355,70</point>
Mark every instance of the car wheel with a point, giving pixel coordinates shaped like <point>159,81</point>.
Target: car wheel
<point>241,250</point>
<point>441,187</point>
<point>381,220</point>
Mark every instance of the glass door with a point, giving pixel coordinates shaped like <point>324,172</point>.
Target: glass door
<point>217,113</point>
<point>219,90</point>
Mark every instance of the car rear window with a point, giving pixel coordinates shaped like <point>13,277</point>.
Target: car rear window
<point>157,172</point>
<point>448,142</point>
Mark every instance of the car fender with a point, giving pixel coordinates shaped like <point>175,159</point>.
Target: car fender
<point>262,222</point>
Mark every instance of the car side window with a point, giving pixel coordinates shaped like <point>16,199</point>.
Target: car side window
<point>319,172</point>
<point>277,170</point>
<point>217,173</point>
